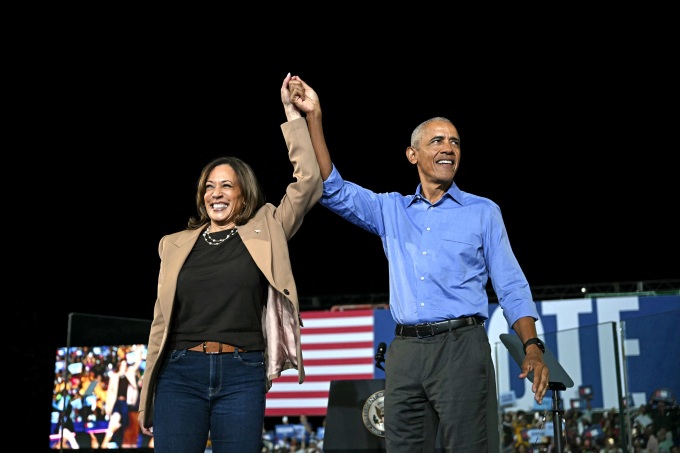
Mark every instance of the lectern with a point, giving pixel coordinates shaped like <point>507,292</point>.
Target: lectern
<point>559,380</point>
<point>349,403</point>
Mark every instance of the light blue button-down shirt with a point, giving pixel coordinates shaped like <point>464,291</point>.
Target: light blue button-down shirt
<point>441,255</point>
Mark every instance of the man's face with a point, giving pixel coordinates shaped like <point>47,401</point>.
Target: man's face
<point>438,153</point>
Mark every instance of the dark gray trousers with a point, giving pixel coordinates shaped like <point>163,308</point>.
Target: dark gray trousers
<point>440,394</point>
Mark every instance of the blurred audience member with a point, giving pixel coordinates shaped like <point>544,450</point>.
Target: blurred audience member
<point>665,440</point>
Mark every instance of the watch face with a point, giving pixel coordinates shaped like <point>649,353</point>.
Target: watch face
<point>540,344</point>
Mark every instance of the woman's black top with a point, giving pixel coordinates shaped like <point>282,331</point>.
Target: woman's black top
<point>221,294</point>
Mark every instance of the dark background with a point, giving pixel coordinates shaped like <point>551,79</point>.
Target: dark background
<point>577,144</point>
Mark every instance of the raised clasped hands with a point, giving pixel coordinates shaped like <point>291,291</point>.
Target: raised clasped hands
<point>302,95</point>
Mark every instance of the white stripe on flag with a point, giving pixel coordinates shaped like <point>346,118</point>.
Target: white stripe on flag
<point>296,403</point>
<point>333,338</point>
<point>305,386</point>
<point>349,353</point>
<point>349,321</point>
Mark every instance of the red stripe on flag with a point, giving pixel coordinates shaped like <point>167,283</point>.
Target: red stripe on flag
<point>345,329</point>
<point>352,361</point>
<point>297,395</point>
<point>279,412</point>
<point>337,345</point>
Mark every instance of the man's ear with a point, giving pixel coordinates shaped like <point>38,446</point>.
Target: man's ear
<point>411,154</point>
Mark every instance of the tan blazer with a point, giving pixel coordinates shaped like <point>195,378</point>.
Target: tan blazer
<point>266,237</point>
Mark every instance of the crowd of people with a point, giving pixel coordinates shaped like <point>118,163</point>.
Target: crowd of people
<point>309,439</point>
<point>654,428</point>
<point>95,397</point>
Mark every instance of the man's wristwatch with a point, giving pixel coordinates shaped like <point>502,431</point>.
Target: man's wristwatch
<point>537,342</point>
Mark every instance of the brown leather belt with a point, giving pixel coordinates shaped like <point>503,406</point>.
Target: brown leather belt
<point>430,329</point>
<point>215,347</point>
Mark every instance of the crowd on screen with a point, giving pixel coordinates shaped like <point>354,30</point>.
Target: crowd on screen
<point>80,418</point>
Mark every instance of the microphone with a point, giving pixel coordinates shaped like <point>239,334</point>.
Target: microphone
<point>380,355</point>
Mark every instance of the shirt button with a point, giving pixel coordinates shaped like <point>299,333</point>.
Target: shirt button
<point>422,304</point>
<point>424,253</point>
<point>422,278</point>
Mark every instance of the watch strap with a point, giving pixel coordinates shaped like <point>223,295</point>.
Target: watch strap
<point>536,341</point>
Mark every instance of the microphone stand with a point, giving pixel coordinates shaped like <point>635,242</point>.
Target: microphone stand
<point>558,433</point>
<point>559,380</point>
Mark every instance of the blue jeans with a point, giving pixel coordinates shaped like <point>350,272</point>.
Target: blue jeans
<point>221,396</point>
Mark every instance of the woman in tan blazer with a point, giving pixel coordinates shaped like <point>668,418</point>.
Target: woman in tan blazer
<point>226,319</point>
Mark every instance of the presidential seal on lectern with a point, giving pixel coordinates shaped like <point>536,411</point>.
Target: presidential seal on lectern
<point>373,415</point>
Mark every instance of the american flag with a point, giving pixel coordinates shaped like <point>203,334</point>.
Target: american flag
<point>336,345</point>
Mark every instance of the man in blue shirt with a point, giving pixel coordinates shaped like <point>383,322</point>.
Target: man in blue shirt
<point>442,245</point>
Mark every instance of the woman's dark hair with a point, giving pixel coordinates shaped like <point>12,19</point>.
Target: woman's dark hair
<point>253,194</point>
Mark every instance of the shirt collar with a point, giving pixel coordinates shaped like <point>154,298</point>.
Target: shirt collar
<point>454,193</point>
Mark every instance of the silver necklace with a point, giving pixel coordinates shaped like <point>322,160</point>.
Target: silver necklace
<point>212,241</point>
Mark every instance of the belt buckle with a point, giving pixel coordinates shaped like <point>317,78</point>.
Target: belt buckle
<point>205,346</point>
<point>429,334</point>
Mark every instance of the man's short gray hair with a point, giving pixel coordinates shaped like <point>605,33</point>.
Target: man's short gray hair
<point>417,134</point>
